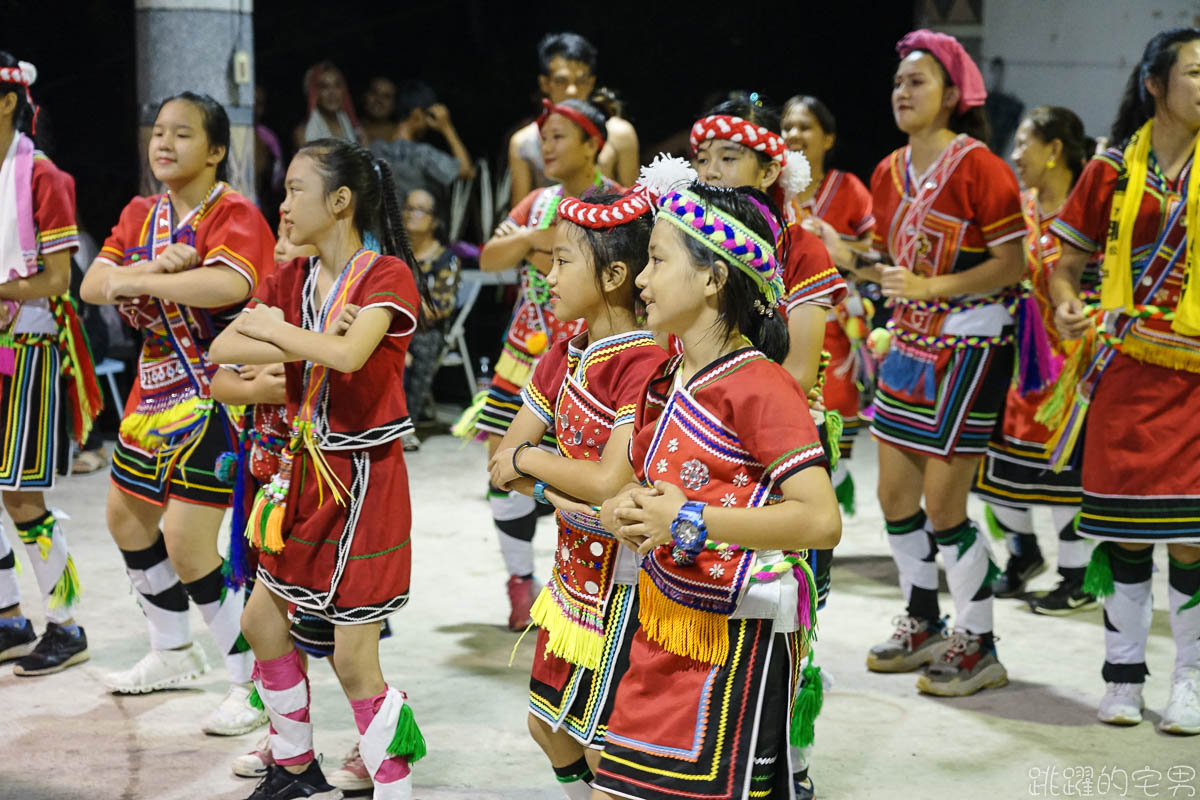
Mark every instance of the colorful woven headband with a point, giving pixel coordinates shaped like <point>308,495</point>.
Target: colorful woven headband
<point>743,132</point>
<point>572,114</point>
<point>662,175</point>
<point>24,74</point>
<point>728,238</point>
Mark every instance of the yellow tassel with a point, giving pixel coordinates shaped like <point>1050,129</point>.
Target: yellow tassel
<point>567,639</point>
<point>143,428</point>
<point>255,520</point>
<point>1148,352</point>
<point>273,537</point>
<point>698,635</point>
<point>66,591</point>
<point>512,370</point>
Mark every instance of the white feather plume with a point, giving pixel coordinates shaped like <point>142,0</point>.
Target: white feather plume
<point>29,71</point>
<point>796,175</point>
<point>665,174</point>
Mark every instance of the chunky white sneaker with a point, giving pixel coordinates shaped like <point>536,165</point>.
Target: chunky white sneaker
<point>1122,704</point>
<point>158,669</point>
<point>1182,714</point>
<point>352,776</point>
<point>235,715</point>
<point>254,764</point>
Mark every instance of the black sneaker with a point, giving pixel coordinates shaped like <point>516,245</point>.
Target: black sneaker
<point>55,651</point>
<point>1066,598</point>
<point>279,784</point>
<point>1019,571</point>
<point>16,642</point>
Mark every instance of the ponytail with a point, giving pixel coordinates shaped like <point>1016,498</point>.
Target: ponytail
<point>394,238</point>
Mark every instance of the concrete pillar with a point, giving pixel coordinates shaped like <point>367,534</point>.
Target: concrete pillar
<point>201,46</point>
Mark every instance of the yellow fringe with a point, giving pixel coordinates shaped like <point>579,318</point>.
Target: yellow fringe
<point>1159,355</point>
<point>512,370</point>
<point>567,639</point>
<point>688,632</point>
<point>273,537</point>
<point>325,474</point>
<point>142,428</point>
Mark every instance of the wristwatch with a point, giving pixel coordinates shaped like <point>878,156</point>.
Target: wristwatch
<point>539,493</point>
<point>689,533</point>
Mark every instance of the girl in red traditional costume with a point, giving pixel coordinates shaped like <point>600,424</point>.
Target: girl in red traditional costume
<point>738,144</point>
<point>179,266</point>
<point>1138,372</point>
<point>950,225</point>
<point>835,204</point>
<point>722,446</point>
<point>334,523</point>
<point>1050,151</point>
<point>586,389</point>
<point>573,134</point>
<point>43,350</point>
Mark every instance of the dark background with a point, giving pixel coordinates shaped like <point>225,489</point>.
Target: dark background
<point>665,59</point>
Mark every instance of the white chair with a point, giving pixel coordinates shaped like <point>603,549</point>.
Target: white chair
<point>454,348</point>
<point>108,368</point>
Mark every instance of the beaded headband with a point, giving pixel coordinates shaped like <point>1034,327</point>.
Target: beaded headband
<point>795,172</point>
<point>664,174</point>
<point>728,238</point>
<point>24,74</point>
<point>572,114</point>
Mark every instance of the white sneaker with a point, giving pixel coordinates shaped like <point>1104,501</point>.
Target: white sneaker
<point>158,669</point>
<point>1122,704</point>
<point>254,764</point>
<point>1182,714</point>
<point>235,715</point>
<point>352,775</point>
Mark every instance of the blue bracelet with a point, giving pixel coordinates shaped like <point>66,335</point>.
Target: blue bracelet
<point>539,493</point>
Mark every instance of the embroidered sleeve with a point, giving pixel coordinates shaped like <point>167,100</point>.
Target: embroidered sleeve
<point>53,207</point>
<point>235,235</point>
<point>541,391</point>
<point>128,233</point>
<point>1083,220</point>
<point>390,284</point>
<point>996,200</point>
<point>809,274</point>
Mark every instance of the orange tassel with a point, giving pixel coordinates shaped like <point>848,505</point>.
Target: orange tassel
<point>273,538</point>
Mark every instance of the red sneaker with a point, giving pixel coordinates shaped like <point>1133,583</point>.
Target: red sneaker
<point>521,594</point>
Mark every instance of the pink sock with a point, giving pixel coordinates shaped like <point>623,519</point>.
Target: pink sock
<point>279,675</point>
<point>392,769</point>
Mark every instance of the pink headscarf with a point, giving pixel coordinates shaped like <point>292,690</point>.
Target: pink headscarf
<point>951,55</point>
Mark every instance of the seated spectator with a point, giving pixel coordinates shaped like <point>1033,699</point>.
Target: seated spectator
<point>417,164</point>
<point>379,110</point>
<point>439,268</point>
<point>330,112</point>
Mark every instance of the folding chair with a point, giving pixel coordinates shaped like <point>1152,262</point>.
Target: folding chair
<point>454,349</point>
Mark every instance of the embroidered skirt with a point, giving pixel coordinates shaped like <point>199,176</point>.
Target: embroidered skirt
<point>1016,470</point>
<point>948,409</point>
<point>577,699</point>
<point>1141,455</point>
<point>683,729</point>
<point>31,416</point>
<point>349,563</point>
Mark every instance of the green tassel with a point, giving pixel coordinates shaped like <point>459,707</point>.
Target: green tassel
<point>993,524</point>
<point>407,742</point>
<point>1098,580</point>
<point>254,700</point>
<point>845,495</point>
<point>66,591</point>
<point>1195,599</point>
<point>465,427</point>
<point>807,707</point>
<point>833,431</point>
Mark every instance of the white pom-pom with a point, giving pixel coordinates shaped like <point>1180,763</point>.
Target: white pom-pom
<point>665,174</point>
<point>29,71</point>
<point>796,175</point>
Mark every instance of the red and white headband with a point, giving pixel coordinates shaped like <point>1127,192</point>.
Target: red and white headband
<point>23,74</point>
<point>661,176</point>
<point>573,114</point>
<point>795,171</point>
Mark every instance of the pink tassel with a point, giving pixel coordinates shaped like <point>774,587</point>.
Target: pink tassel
<point>1038,365</point>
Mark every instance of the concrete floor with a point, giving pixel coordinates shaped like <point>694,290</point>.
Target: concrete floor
<point>65,737</point>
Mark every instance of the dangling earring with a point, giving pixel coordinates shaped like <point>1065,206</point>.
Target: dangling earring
<point>1050,164</point>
